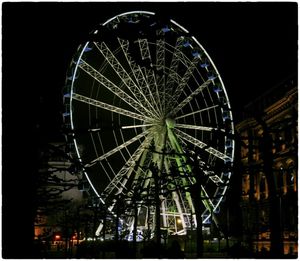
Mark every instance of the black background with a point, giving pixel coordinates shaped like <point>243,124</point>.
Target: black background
<point>253,45</point>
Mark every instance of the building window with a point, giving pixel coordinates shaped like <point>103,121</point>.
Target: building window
<point>263,187</point>
<point>245,186</point>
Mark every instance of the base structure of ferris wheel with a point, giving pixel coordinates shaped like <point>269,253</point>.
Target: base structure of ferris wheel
<point>146,108</point>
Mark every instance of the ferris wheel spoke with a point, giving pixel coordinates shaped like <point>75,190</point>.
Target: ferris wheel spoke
<point>179,56</point>
<point>144,49</point>
<point>139,75</point>
<point>216,179</point>
<point>160,65</point>
<point>160,54</point>
<point>136,91</point>
<point>195,112</point>
<point>96,151</point>
<point>117,149</point>
<point>152,83</point>
<point>140,173</point>
<point>166,91</point>
<point>191,67</point>
<point>113,88</point>
<point>174,62</point>
<point>202,145</point>
<point>190,97</point>
<point>136,126</point>
<point>109,107</point>
<point>150,76</point>
<point>218,154</point>
<point>183,82</point>
<point>153,86</point>
<point>195,127</point>
<point>122,176</point>
<point>207,201</point>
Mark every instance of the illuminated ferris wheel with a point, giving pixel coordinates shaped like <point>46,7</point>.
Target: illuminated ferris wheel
<point>142,96</point>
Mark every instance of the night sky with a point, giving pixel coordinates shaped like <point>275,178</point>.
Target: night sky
<point>253,45</point>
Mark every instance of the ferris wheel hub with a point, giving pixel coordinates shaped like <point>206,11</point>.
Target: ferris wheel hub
<point>170,123</point>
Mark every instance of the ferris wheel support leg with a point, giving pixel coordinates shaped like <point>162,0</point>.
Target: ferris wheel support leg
<point>178,206</point>
<point>164,215</point>
<point>136,210</point>
<point>99,229</point>
<point>157,213</point>
<point>156,174</point>
<point>199,208</point>
<point>176,146</point>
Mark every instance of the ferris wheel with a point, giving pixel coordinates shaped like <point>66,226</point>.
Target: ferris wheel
<point>143,98</point>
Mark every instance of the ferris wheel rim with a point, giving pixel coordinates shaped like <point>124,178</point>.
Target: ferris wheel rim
<point>127,13</point>
<point>76,68</point>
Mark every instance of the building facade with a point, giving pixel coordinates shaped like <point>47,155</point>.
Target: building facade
<point>269,164</point>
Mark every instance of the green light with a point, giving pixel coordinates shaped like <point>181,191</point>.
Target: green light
<point>170,123</point>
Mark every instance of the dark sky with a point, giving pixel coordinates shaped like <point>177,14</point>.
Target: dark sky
<point>253,45</point>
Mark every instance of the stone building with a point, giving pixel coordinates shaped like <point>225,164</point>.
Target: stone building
<point>269,164</point>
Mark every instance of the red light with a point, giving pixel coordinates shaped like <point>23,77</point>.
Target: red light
<point>57,237</point>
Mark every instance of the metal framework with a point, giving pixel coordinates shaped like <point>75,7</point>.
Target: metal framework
<point>150,101</point>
